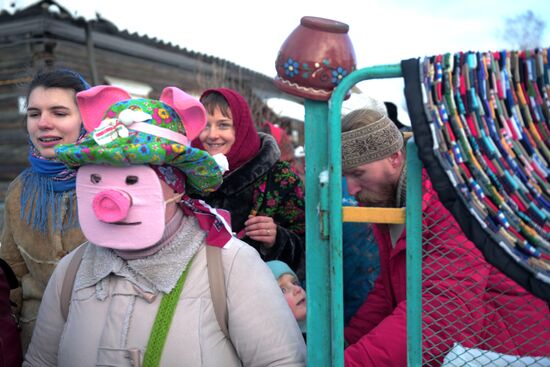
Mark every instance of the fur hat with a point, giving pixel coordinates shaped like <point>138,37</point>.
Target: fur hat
<point>125,131</point>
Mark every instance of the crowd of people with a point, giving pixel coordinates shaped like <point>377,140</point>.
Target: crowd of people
<point>133,209</point>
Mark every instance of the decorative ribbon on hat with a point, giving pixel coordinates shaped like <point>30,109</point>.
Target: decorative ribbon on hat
<point>111,129</point>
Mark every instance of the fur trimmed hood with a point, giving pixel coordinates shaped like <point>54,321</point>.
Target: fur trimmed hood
<point>254,169</point>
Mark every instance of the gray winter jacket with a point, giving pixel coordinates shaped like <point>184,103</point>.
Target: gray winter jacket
<point>109,322</point>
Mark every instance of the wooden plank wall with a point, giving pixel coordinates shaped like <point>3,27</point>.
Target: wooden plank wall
<point>21,56</point>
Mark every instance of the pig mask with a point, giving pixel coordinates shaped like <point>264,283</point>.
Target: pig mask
<point>121,208</point>
<point>120,198</point>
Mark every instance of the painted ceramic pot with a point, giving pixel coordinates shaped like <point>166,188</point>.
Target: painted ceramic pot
<point>313,60</point>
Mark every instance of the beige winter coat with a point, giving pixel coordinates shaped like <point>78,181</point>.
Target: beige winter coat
<point>32,255</point>
<point>104,332</point>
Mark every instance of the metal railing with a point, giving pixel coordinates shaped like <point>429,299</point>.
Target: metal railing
<point>324,217</point>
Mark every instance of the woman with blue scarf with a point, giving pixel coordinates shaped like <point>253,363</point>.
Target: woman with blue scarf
<point>40,220</point>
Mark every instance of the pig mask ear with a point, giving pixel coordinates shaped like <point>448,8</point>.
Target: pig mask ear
<point>188,108</point>
<point>95,101</point>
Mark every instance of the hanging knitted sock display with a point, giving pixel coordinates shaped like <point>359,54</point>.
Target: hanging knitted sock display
<point>489,117</point>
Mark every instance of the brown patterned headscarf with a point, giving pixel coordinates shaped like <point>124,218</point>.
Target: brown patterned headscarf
<point>368,136</point>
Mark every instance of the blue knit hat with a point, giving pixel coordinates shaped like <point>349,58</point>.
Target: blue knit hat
<point>279,268</point>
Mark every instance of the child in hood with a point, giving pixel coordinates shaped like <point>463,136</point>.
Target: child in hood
<point>293,292</point>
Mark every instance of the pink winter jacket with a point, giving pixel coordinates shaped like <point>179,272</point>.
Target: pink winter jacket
<point>464,300</point>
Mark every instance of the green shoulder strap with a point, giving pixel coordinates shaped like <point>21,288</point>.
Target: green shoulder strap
<point>162,323</point>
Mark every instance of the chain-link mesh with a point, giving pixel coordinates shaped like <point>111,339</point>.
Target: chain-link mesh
<point>472,314</point>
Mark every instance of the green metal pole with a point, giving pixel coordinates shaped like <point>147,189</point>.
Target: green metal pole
<point>335,201</point>
<point>317,247</point>
<point>414,255</point>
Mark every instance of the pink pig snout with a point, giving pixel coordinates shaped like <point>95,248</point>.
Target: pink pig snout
<point>111,206</point>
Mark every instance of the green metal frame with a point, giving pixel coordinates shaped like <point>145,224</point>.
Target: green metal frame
<point>325,339</point>
<point>413,223</point>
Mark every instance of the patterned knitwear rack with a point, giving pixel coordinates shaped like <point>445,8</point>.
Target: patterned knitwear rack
<point>489,114</point>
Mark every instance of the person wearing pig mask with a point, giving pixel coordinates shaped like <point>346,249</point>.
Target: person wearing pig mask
<point>141,294</point>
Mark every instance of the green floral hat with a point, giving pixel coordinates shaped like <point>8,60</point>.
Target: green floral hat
<point>125,131</point>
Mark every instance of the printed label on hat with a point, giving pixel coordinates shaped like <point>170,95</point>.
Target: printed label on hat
<point>108,131</point>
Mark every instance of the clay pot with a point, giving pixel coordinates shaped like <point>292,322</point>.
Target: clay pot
<point>313,60</point>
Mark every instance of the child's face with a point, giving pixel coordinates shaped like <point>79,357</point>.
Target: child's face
<point>294,294</point>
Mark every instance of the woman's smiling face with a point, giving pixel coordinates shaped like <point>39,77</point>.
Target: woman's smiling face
<point>219,134</point>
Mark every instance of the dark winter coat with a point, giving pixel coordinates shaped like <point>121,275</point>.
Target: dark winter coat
<point>266,186</point>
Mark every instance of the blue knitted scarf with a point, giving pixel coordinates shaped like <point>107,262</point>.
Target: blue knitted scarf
<point>43,187</point>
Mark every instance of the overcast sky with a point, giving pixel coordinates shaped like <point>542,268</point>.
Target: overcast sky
<point>250,33</point>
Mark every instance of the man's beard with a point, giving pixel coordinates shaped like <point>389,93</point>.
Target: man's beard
<point>382,198</point>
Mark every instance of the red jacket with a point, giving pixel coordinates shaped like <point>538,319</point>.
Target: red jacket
<point>464,299</point>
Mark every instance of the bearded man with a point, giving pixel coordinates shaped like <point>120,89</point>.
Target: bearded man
<point>465,301</point>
